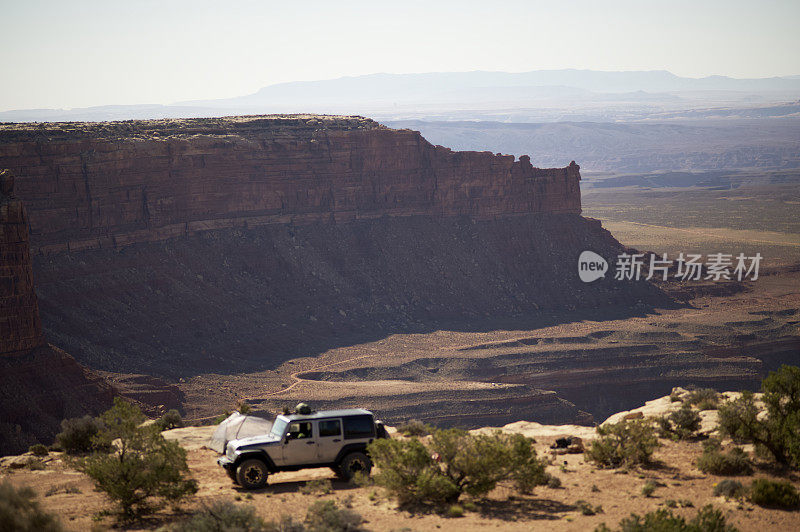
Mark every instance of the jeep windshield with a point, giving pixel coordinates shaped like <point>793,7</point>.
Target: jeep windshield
<point>278,427</point>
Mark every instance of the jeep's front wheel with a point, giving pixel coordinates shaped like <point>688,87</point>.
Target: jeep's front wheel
<point>354,463</point>
<point>252,474</point>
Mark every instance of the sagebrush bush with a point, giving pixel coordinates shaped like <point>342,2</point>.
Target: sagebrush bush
<point>708,519</point>
<point>142,464</point>
<point>586,508</point>
<point>222,516</point>
<point>77,434</point>
<point>732,463</point>
<point>39,450</point>
<point>325,516</point>
<point>649,488</point>
<point>415,427</point>
<point>774,494</point>
<point>624,444</point>
<point>456,462</point>
<point>732,489</point>
<point>170,420</point>
<point>776,434</point>
<point>704,398</point>
<point>681,424</point>
<point>20,511</point>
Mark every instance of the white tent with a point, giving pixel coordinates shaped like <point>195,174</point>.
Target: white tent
<point>238,426</point>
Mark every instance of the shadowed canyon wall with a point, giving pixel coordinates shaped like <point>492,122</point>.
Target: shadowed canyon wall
<point>39,385</point>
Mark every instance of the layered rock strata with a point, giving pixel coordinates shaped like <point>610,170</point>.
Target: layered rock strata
<point>107,185</point>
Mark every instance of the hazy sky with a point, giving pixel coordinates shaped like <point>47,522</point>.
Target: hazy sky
<point>83,53</point>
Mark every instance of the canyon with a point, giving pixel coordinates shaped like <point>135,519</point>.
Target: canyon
<point>197,262</point>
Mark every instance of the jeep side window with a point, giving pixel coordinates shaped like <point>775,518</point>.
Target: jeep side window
<point>331,427</point>
<point>359,427</point>
<point>299,430</point>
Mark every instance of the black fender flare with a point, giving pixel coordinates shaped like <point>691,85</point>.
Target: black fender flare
<point>351,448</point>
<point>259,454</point>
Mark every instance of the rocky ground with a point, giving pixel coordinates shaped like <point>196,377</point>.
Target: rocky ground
<point>680,486</point>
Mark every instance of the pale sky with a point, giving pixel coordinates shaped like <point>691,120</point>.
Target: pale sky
<point>97,52</point>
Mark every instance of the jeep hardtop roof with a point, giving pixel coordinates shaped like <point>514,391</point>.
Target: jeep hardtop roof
<point>322,414</point>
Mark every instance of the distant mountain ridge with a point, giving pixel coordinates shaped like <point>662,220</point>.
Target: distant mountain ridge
<point>429,84</point>
<point>403,96</point>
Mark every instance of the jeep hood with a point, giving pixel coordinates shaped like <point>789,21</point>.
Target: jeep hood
<point>253,440</point>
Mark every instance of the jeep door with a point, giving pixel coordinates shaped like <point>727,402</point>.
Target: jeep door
<point>330,439</point>
<point>300,443</point>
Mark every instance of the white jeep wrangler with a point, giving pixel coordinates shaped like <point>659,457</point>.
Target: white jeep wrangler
<point>334,438</point>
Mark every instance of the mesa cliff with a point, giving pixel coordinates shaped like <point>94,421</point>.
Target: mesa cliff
<point>106,185</point>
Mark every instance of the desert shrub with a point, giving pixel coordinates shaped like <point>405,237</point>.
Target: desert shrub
<point>320,486</point>
<point>325,516</point>
<point>142,464</point>
<point>731,463</point>
<point>415,427</point>
<point>685,421</point>
<point>624,444</point>
<point>681,424</point>
<point>731,489</point>
<point>585,508</point>
<point>704,398</point>
<point>77,434</point>
<point>470,506</point>
<point>220,418</point>
<point>778,433</point>
<point>20,511</point>
<point>285,524</point>
<point>553,482</point>
<point>455,511</point>
<point>63,488</point>
<point>170,420</point>
<point>39,450</point>
<point>463,463</point>
<point>35,464</point>
<point>222,516</point>
<point>708,519</point>
<point>774,493</point>
<point>649,488</point>
<point>243,407</point>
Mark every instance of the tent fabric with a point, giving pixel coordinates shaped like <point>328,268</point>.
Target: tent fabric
<point>238,426</point>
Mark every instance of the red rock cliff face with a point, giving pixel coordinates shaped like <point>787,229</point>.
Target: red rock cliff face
<point>108,185</point>
<point>20,327</point>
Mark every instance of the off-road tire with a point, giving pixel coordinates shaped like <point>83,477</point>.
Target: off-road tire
<point>353,463</point>
<point>252,474</point>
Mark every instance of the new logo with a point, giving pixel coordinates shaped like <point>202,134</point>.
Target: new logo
<point>591,266</point>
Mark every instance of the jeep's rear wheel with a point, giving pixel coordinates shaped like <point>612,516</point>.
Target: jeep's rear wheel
<point>252,474</point>
<point>354,463</point>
